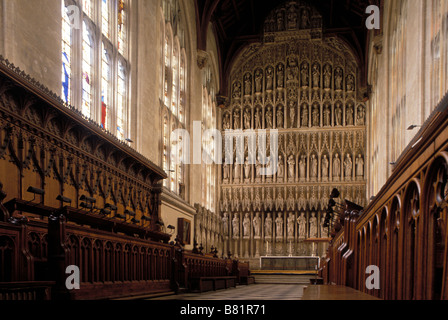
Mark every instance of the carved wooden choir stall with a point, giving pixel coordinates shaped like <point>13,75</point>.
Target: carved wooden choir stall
<point>74,195</point>
<point>403,231</point>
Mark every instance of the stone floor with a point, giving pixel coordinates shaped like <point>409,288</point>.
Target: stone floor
<point>253,292</point>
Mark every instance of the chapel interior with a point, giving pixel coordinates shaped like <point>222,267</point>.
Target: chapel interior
<point>132,149</point>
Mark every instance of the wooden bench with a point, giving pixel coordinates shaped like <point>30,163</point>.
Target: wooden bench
<point>203,284</point>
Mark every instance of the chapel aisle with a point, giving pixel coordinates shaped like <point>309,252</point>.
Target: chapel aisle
<point>252,292</point>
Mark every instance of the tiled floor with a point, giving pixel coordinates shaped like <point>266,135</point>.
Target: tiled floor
<point>252,292</point>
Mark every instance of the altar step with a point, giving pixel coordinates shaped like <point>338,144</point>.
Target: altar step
<point>274,278</point>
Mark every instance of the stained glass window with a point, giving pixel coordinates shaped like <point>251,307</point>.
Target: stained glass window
<point>121,24</point>
<point>165,147</point>
<point>105,88</point>
<point>167,70</point>
<point>87,54</point>
<point>105,17</point>
<point>175,88</point>
<point>121,101</point>
<point>99,71</point>
<point>182,90</point>
<point>66,56</point>
<point>87,7</point>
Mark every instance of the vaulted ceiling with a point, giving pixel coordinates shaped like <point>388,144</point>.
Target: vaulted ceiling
<point>240,22</point>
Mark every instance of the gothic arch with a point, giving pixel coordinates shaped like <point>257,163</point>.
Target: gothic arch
<point>433,228</point>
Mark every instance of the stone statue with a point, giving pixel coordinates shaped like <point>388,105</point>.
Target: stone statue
<point>257,118</point>
<point>237,90</point>
<point>336,166</point>
<point>348,164</point>
<point>268,226</point>
<point>280,21</point>
<point>302,167</point>
<point>313,226</point>
<point>361,116</point>
<point>305,75</point>
<point>360,167</point>
<point>349,112</point>
<point>226,122</point>
<point>279,202</point>
<point>338,115</point>
<point>292,114</point>
<point>226,171</point>
<point>292,18</point>
<point>280,118</point>
<point>279,224</point>
<point>325,165</point>
<point>305,22</point>
<point>225,223</point>
<point>258,80</point>
<point>237,172</point>
<point>290,226</point>
<point>258,171</point>
<point>268,201</point>
<point>280,76</point>
<point>280,170</point>
<point>316,116</point>
<point>327,77</point>
<point>338,79</point>
<point>247,85</point>
<point>327,116</point>
<point>236,120</point>
<point>247,124</point>
<point>236,226</point>
<point>314,166</point>
<point>291,168</point>
<point>247,169</point>
<point>301,220</point>
<point>269,118</point>
<point>257,224</point>
<point>316,76</point>
<point>246,226</point>
<point>305,116</point>
<point>269,78</point>
<point>350,83</point>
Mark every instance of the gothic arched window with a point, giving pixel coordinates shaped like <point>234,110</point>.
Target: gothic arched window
<point>173,93</point>
<point>87,60</point>
<point>95,70</point>
<point>67,42</point>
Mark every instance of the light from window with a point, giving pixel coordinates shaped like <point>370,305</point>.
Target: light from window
<point>121,23</point>
<point>165,147</point>
<point>86,72</point>
<point>66,55</point>
<point>105,88</point>
<point>105,17</point>
<point>87,7</point>
<point>121,102</point>
<point>174,87</point>
<point>182,91</point>
<point>167,70</point>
